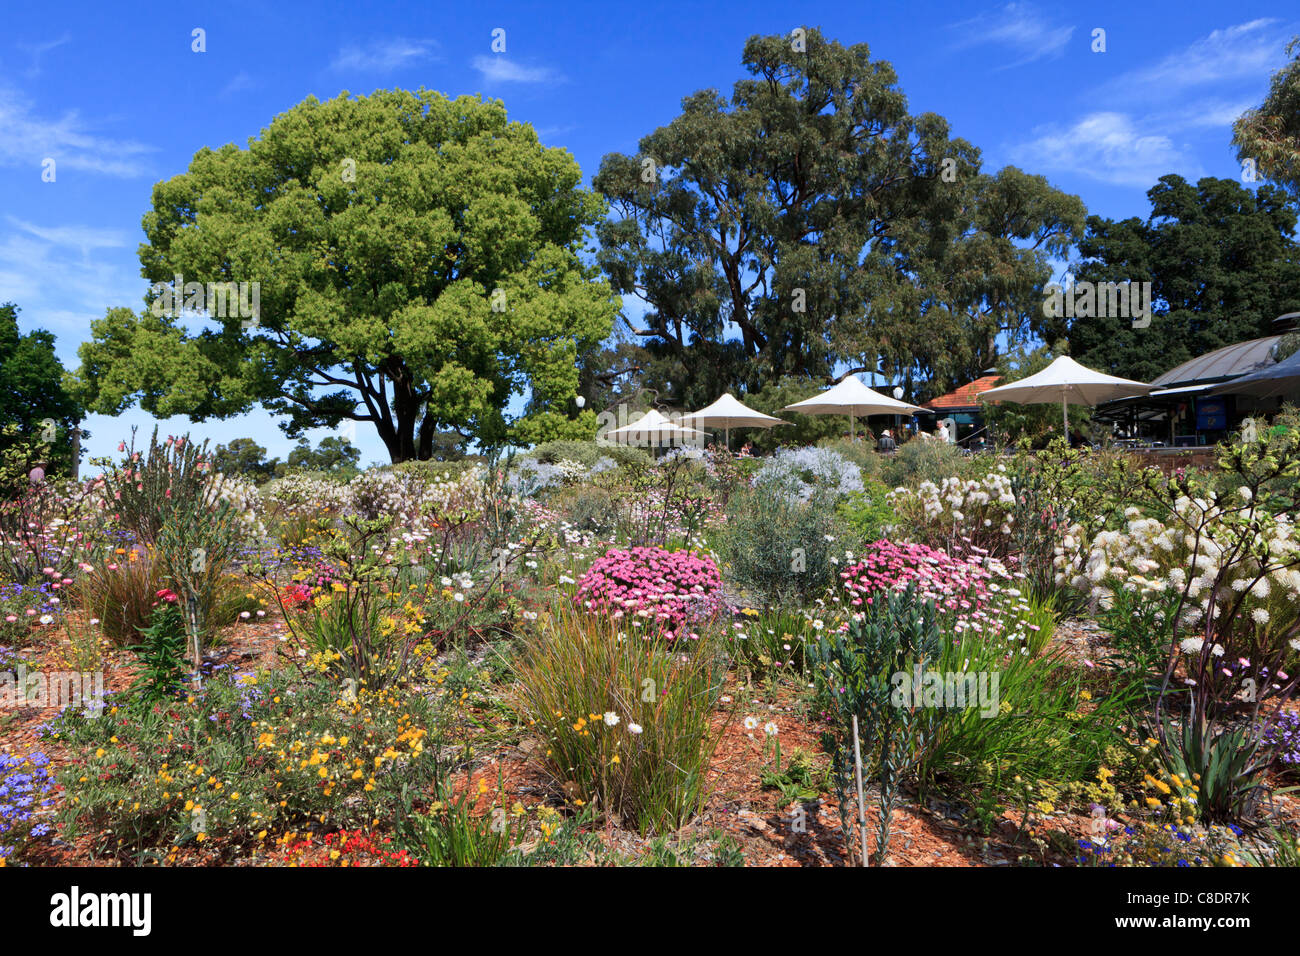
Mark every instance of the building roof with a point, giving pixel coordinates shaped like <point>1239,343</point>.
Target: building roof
<point>1224,363</point>
<point>966,396</point>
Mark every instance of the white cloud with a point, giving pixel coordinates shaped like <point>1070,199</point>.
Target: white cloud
<point>64,276</point>
<point>497,69</point>
<point>1246,52</point>
<point>550,132</point>
<point>1017,26</point>
<point>28,140</point>
<point>383,56</point>
<point>1107,147</point>
<point>84,238</point>
<point>38,50</point>
<point>1213,112</point>
<point>239,83</point>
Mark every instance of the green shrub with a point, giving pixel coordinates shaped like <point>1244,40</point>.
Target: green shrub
<point>862,453</point>
<point>161,651</point>
<point>121,592</point>
<point>898,632</point>
<point>771,642</point>
<point>363,628</point>
<point>919,460</point>
<point>436,470</point>
<point>1141,628</point>
<point>147,488</point>
<point>450,834</point>
<point>1041,728</point>
<point>244,756</point>
<point>868,513</point>
<point>586,507</point>
<point>777,546</point>
<point>625,723</point>
<point>1227,765</point>
<point>588,453</point>
<point>196,550</point>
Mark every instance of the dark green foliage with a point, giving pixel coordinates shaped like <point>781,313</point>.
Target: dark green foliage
<point>744,226</point>
<point>1222,265</point>
<point>245,457</point>
<point>33,397</point>
<point>161,652</point>
<point>333,456</point>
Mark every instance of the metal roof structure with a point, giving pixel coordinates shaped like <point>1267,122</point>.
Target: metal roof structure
<point>1221,364</point>
<point>1280,378</point>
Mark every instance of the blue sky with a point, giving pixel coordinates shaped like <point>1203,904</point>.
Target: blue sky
<point>120,100</point>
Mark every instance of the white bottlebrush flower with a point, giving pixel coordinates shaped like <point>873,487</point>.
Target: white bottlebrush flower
<point>1260,615</point>
<point>1191,645</point>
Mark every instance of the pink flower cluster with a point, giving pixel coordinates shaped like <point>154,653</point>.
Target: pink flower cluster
<point>955,584</point>
<point>669,587</point>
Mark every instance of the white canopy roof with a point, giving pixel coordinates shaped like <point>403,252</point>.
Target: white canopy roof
<point>1068,382</point>
<point>652,427</point>
<point>728,412</point>
<point>851,397</point>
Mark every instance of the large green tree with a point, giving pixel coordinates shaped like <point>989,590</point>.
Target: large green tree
<point>810,220</point>
<point>1269,135</point>
<point>1221,263</point>
<point>244,456</point>
<point>418,260</point>
<point>38,413</point>
<point>333,455</point>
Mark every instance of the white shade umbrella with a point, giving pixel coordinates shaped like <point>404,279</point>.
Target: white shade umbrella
<point>850,397</point>
<point>728,413</point>
<point>651,428</point>
<point>1067,382</point>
